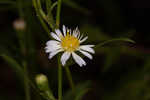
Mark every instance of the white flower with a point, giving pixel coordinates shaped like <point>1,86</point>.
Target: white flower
<point>69,42</point>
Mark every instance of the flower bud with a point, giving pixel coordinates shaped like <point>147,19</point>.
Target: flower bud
<point>19,24</point>
<point>42,82</point>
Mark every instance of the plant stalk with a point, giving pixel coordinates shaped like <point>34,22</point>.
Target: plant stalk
<point>58,13</point>
<point>59,79</point>
<point>69,76</point>
<point>40,17</point>
<point>26,84</point>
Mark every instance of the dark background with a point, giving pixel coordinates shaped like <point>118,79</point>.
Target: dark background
<point>119,71</point>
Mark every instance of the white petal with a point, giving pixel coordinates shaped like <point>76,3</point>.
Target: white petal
<point>58,32</point>
<point>81,37</point>
<point>70,32</point>
<point>52,48</point>
<point>77,30</point>
<point>52,42</point>
<point>78,33</point>
<point>55,36</point>
<point>64,30</point>
<point>86,54</point>
<point>75,33</point>
<point>84,39</point>
<point>52,45</point>
<point>87,48</point>
<point>90,46</point>
<point>65,56</point>
<point>78,60</point>
<point>52,54</point>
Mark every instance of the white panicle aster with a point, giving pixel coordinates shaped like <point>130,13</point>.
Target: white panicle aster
<point>69,42</point>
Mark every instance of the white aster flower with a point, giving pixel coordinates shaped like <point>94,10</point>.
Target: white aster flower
<point>69,42</point>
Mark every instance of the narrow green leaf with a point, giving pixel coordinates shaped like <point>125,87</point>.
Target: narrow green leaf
<point>48,5</point>
<point>40,17</point>
<point>53,5</point>
<point>43,15</point>
<point>79,92</point>
<point>19,71</point>
<point>13,64</point>
<point>114,40</point>
<point>48,18</point>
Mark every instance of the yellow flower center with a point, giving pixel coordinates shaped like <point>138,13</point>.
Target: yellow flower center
<point>69,43</point>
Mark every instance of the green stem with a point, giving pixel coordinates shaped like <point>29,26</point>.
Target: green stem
<point>58,13</point>
<point>69,76</point>
<point>48,5</point>
<point>20,8</point>
<point>53,5</point>
<point>22,46</point>
<point>50,96</point>
<point>59,79</point>
<point>40,18</point>
<point>59,64</point>
<point>26,84</point>
<point>43,15</point>
<point>47,18</point>
<point>50,19</point>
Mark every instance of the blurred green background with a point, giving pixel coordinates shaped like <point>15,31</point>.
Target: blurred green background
<point>119,71</point>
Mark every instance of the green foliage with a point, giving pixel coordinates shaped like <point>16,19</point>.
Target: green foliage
<point>13,64</point>
<point>113,40</point>
<point>80,90</point>
<point>121,71</point>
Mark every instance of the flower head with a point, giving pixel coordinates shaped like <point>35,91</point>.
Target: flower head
<point>69,42</point>
<point>42,82</point>
<point>19,24</point>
